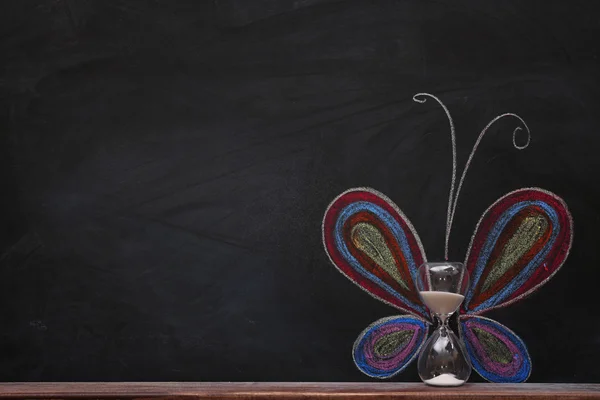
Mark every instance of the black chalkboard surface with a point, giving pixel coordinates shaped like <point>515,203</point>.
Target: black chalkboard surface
<point>166,166</point>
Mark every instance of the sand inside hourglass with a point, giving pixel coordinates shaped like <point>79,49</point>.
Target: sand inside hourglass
<point>442,302</point>
<point>445,380</point>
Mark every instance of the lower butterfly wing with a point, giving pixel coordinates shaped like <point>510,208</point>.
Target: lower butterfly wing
<point>496,352</point>
<point>520,242</point>
<point>388,345</point>
<point>372,243</point>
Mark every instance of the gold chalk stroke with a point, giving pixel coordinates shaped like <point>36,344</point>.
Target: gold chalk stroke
<point>532,228</point>
<point>368,239</point>
<point>495,349</point>
<point>389,344</point>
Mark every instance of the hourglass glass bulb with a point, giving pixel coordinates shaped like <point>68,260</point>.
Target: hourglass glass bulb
<point>443,360</point>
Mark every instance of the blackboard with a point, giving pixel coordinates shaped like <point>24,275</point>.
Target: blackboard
<point>165,167</point>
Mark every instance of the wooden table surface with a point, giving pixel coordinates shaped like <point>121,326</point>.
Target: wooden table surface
<point>289,391</point>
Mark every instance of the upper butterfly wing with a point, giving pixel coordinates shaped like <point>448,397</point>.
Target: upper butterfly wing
<point>388,345</point>
<point>496,352</point>
<point>519,243</point>
<point>370,241</point>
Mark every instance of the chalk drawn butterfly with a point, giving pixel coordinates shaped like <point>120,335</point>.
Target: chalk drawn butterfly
<point>519,243</point>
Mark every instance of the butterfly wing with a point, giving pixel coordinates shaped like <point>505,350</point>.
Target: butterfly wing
<point>520,242</point>
<point>388,345</point>
<point>496,352</point>
<point>372,243</point>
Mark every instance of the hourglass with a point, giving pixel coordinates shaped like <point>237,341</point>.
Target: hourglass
<point>443,360</point>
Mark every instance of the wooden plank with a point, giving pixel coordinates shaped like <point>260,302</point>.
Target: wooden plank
<point>295,391</point>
